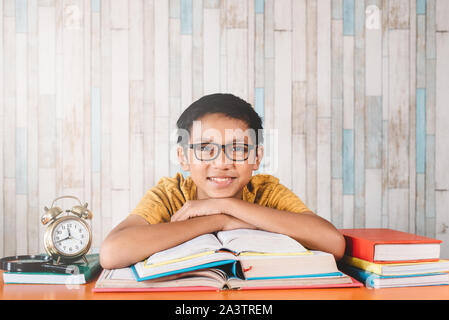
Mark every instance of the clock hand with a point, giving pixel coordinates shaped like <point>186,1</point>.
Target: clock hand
<point>62,240</point>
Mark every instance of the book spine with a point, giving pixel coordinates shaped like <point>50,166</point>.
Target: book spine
<point>360,248</point>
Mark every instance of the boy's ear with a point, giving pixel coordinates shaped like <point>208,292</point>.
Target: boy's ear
<point>259,156</point>
<point>182,158</point>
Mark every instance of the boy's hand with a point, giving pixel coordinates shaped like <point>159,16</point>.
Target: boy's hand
<point>196,208</point>
<point>232,223</point>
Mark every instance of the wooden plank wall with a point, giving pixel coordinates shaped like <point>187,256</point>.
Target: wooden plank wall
<point>353,94</point>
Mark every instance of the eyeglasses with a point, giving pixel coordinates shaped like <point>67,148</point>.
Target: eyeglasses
<point>208,151</point>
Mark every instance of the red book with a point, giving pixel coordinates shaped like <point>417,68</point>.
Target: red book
<point>390,246</point>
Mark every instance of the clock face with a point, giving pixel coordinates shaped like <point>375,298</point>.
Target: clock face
<point>70,237</point>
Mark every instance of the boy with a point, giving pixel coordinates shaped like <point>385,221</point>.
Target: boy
<point>219,194</point>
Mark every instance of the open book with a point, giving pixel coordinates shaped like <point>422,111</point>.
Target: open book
<point>261,254</point>
<point>242,258</point>
<point>213,279</point>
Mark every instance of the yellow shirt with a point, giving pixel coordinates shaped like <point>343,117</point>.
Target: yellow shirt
<point>169,195</point>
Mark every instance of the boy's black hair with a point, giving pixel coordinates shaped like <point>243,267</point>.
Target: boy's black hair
<point>225,103</point>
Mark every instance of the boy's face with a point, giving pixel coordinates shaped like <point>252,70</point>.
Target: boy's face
<point>220,177</point>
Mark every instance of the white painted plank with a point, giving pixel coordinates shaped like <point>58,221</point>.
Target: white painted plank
<point>337,203</point>
<point>337,59</point>
<point>398,209</point>
<point>299,166</point>
<point>442,222</point>
<point>442,112</point>
<point>162,145</point>
<point>21,80</point>
<point>9,105</point>
<point>299,36</point>
<point>399,99</point>
<point>311,65</point>
<point>399,14</point>
<point>186,71</point>
<point>311,152</point>
<point>120,206</point>
<point>46,40</point>
<point>136,40</point>
<point>373,52</point>
<point>283,103</point>
<point>412,113</point>
<point>211,51</point>
<point>161,57</point>
<point>237,62</point>
<point>324,33</point>
<point>348,82</point>
<point>32,130</point>
<point>236,14</point>
<point>174,64</point>
<point>373,199</point>
<point>442,12</point>
<point>348,211</point>
<point>283,15</point>
<point>73,97</point>
<point>197,49</point>
<point>10,242</point>
<point>119,14</point>
<point>251,52</point>
<point>259,52</point>
<point>119,111</point>
<point>47,193</point>
<point>324,168</point>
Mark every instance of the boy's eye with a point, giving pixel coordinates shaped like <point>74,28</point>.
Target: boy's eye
<point>239,148</point>
<point>206,147</point>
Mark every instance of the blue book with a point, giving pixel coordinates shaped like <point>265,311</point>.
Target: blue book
<point>372,280</point>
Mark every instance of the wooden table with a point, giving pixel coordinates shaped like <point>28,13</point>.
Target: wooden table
<point>84,292</point>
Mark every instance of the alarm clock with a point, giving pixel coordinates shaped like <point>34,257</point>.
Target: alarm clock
<point>68,237</point>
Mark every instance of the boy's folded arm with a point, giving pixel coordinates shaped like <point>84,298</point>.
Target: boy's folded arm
<point>134,239</point>
<point>309,229</point>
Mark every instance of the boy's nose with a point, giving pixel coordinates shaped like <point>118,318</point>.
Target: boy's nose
<point>222,160</point>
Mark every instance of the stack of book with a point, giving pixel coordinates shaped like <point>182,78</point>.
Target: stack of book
<point>386,258</point>
<point>75,273</point>
<point>235,259</point>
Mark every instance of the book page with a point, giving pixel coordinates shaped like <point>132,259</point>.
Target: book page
<point>258,241</point>
<point>189,249</point>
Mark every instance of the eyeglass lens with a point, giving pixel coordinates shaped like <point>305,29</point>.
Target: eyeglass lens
<point>210,151</point>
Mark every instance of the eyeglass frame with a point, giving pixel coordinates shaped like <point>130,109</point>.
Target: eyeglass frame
<point>220,148</point>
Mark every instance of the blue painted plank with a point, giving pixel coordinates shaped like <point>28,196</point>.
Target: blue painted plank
<point>259,6</point>
<point>186,16</point>
<point>420,130</point>
<point>21,161</point>
<point>421,6</point>
<point>96,129</point>
<point>348,18</point>
<point>95,5</point>
<point>21,16</point>
<point>348,161</point>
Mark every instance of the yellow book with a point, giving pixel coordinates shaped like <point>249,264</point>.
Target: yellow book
<point>395,269</point>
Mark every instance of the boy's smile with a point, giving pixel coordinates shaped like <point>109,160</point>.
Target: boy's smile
<point>219,177</point>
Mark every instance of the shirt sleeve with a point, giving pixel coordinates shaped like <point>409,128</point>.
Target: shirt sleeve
<point>154,206</point>
<point>282,198</point>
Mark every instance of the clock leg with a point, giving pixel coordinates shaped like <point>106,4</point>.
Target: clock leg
<point>57,261</point>
<point>85,260</point>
